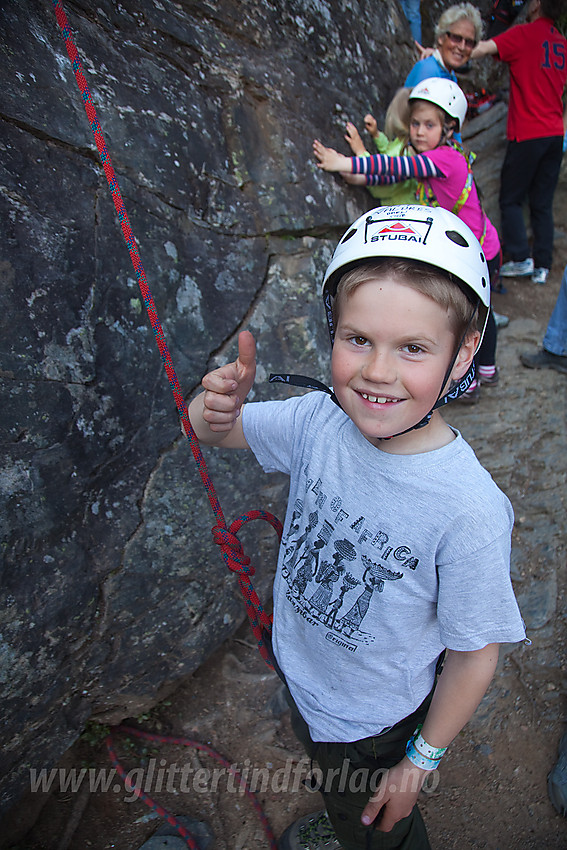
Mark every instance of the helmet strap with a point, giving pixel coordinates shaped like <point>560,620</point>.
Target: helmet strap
<point>457,388</point>
<point>302,381</point>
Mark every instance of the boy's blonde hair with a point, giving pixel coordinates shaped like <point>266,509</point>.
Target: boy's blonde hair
<point>444,289</point>
<point>396,123</point>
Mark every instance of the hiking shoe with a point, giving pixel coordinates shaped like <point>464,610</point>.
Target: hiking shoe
<point>545,360</point>
<point>522,268</point>
<point>557,780</point>
<point>501,321</point>
<point>540,276</point>
<point>489,381</point>
<point>312,832</point>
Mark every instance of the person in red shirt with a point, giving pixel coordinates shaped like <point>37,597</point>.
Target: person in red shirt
<point>536,54</point>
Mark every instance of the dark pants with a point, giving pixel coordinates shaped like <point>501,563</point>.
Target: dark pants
<point>486,355</point>
<point>530,170</point>
<point>349,775</point>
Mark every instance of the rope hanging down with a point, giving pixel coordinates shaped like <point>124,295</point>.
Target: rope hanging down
<point>231,548</point>
<point>196,745</point>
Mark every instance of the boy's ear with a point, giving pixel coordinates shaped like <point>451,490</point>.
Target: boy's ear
<point>465,355</point>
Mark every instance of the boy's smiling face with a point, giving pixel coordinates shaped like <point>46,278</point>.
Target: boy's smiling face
<point>392,348</point>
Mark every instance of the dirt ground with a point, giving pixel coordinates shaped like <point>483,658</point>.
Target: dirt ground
<point>491,790</point>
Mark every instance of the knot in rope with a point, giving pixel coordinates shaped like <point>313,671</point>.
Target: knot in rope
<point>232,551</point>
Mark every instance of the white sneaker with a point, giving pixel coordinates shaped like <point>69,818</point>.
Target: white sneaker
<point>521,268</point>
<point>540,276</point>
<point>501,321</point>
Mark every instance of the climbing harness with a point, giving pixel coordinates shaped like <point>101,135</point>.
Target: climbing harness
<point>426,196</point>
<point>226,537</point>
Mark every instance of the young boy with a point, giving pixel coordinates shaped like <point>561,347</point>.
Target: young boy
<point>404,539</point>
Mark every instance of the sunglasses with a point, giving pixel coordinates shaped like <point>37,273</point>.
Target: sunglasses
<point>460,39</point>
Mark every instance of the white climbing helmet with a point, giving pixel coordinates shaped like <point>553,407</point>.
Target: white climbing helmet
<point>444,93</point>
<point>431,235</point>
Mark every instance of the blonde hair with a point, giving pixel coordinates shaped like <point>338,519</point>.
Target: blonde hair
<point>457,13</point>
<point>446,290</point>
<point>396,123</point>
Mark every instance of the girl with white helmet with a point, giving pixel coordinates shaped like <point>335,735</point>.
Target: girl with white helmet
<point>437,109</point>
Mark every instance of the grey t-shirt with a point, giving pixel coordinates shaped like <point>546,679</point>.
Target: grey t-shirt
<point>385,560</point>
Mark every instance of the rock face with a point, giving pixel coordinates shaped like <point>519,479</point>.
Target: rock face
<point>111,586</point>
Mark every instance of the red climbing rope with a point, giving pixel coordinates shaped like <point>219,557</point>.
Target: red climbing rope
<point>196,745</point>
<point>230,545</point>
<point>231,548</point>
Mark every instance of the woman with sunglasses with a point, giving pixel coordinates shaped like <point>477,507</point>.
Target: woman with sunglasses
<point>457,32</point>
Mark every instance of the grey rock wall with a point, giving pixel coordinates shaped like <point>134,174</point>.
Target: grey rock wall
<point>111,588</point>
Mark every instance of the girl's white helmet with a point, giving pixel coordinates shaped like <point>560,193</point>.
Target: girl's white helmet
<point>431,235</point>
<point>444,93</point>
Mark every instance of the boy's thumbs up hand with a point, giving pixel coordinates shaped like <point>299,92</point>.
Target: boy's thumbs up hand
<point>246,360</point>
<point>227,387</point>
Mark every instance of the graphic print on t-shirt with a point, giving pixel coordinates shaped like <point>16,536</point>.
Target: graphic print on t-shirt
<point>334,565</point>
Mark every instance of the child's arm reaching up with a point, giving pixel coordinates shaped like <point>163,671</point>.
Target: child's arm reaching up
<point>215,414</point>
<point>357,147</point>
<point>353,179</point>
<point>353,138</point>
<point>329,159</point>
<point>377,168</point>
<point>371,125</point>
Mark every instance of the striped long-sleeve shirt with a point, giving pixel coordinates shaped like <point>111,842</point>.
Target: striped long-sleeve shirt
<point>396,168</point>
<point>445,171</point>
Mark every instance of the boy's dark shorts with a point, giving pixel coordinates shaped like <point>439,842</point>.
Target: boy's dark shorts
<point>349,775</point>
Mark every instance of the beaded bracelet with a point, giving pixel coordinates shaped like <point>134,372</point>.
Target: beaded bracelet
<point>422,754</point>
